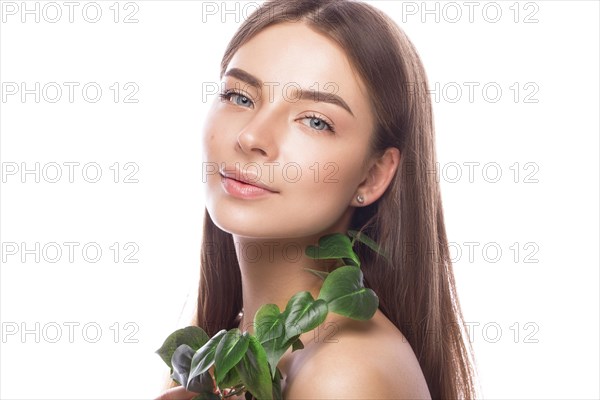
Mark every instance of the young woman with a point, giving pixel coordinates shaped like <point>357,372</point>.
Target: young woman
<point>325,115</point>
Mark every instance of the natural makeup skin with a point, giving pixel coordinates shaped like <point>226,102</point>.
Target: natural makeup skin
<point>273,125</point>
<point>233,362</point>
<point>265,120</point>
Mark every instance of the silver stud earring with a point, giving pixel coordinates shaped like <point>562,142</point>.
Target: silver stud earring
<point>360,198</point>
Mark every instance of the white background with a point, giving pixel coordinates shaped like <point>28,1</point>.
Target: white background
<point>533,308</point>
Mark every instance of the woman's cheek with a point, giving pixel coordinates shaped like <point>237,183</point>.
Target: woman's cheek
<point>328,183</point>
<point>210,140</point>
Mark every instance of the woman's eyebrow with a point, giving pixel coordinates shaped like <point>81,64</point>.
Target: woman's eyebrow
<point>304,94</point>
<point>245,76</point>
<point>325,97</point>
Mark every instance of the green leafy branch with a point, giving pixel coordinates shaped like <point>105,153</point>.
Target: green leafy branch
<point>247,363</point>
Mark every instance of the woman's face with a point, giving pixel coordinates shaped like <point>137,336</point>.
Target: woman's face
<point>268,125</point>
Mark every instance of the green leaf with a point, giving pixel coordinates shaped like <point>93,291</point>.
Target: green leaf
<point>254,369</point>
<point>275,349</point>
<point>230,351</point>
<point>345,294</point>
<point>205,356</point>
<point>303,314</point>
<point>193,336</point>
<point>181,360</point>
<point>268,323</point>
<point>202,383</point>
<point>270,332</point>
<point>361,237</point>
<point>333,246</point>
<point>278,331</point>
<point>277,394</point>
<point>320,274</point>
<point>231,379</point>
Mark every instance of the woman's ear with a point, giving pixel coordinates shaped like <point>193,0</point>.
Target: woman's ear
<point>379,176</point>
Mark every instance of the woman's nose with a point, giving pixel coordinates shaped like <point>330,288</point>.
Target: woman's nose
<point>259,136</point>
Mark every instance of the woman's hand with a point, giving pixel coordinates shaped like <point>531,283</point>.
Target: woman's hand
<point>177,393</point>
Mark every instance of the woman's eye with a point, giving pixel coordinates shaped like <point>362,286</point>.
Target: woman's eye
<point>318,123</point>
<point>241,100</point>
<point>237,99</point>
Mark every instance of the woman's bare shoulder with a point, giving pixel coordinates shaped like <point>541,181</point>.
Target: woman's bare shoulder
<point>361,359</point>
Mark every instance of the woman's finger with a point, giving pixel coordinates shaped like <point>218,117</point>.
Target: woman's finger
<point>177,393</point>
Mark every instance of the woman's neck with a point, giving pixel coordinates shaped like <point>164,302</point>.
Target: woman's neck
<point>272,271</point>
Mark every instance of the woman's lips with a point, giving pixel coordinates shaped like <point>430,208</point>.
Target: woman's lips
<point>243,190</point>
<point>243,183</point>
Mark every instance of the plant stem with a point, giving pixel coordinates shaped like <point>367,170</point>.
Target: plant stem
<point>238,391</point>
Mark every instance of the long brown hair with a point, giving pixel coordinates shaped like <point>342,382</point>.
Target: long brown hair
<point>416,288</point>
